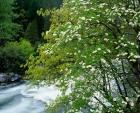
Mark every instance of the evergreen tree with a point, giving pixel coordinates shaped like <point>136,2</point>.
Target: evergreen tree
<point>7,28</point>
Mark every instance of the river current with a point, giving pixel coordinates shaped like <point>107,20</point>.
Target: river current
<point>24,99</point>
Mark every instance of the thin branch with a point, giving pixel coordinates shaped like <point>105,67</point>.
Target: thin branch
<point>124,73</point>
<point>100,102</point>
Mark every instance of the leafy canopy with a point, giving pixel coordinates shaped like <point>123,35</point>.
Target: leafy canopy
<point>91,48</point>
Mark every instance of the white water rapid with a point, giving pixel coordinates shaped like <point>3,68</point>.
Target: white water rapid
<point>22,99</point>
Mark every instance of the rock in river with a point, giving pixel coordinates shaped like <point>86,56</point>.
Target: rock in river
<point>9,77</point>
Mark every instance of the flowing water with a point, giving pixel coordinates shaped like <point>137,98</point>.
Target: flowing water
<point>22,99</point>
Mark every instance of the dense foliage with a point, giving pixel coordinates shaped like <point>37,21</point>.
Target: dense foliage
<point>13,55</point>
<point>20,31</point>
<point>18,21</point>
<point>13,51</point>
<point>33,24</point>
<point>7,28</point>
<point>93,50</point>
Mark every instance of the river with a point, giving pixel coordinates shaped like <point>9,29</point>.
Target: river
<point>25,99</point>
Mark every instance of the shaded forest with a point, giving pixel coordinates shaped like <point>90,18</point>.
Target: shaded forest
<point>20,31</point>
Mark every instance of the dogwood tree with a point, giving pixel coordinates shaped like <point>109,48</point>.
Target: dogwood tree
<point>92,49</point>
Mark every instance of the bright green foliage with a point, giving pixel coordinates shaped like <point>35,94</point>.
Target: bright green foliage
<point>7,27</point>
<point>92,47</point>
<point>13,54</point>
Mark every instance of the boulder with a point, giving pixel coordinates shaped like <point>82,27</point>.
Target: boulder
<point>3,77</point>
<point>9,77</point>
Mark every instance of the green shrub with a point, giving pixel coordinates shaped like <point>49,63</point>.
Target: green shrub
<point>13,55</point>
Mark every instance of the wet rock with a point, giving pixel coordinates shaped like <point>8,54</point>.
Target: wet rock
<point>9,77</point>
<point>14,77</point>
<point>3,77</point>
